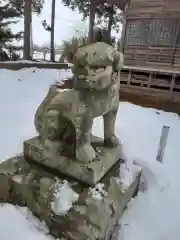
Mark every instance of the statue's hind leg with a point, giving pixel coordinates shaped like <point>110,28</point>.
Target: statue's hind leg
<point>110,140</point>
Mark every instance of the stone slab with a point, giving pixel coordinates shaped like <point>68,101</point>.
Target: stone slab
<point>93,214</point>
<point>89,173</point>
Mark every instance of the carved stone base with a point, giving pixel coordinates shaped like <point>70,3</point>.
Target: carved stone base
<point>94,211</point>
<point>89,173</point>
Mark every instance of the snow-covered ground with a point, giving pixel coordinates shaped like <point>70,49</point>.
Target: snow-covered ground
<point>18,223</point>
<point>153,215</point>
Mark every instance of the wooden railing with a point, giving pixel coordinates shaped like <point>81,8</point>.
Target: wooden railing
<point>157,79</point>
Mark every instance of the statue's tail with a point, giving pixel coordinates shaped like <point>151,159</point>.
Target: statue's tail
<point>40,110</point>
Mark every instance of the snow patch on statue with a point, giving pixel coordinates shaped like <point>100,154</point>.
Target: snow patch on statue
<point>98,192</point>
<point>63,197</point>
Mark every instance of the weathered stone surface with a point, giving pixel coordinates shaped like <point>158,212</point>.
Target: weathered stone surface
<point>67,115</point>
<point>94,211</point>
<point>90,172</point>
<point>27,186</point>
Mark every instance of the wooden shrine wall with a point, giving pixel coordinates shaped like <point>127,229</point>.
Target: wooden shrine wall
<point>152,33</point>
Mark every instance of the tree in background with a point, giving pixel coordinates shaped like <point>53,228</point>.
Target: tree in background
<point>27,30</point>
<point>106,14</point>
<point>27,7</point>
<point>110,17</point>
<point>7,13</point>
<point>92,15</point>
<point>52,29</point>
<point>14,51</point>
<point>86,8</point>
<point>37,5</point>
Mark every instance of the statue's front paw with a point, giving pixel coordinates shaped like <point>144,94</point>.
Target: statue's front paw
<point>85,153</point>
<point>112,142</point>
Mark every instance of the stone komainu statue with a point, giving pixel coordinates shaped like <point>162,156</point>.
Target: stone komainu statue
<point>66,116</point>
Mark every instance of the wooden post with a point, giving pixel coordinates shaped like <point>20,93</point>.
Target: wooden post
<point>162,143</point>
<point>129,77</point>
<point>172,83</point>
<point>149,79</point>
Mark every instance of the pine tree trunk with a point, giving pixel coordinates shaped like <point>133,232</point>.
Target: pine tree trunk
<point>52,30</point>
<point>91,22</point>
<point>31,41</point>
<point>27,29</point>
<point>109,27</point>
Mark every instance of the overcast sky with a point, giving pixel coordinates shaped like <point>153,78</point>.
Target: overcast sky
<point>67,22</point>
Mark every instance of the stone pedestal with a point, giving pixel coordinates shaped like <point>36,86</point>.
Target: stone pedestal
<point>71,209</point>
<point>78,200</point>
<point>89,173</point>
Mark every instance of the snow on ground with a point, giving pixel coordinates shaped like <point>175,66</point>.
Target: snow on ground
<point>40,61</point>
<point>155,213</point>
<point>18,223</point>
<point>20,94</point>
